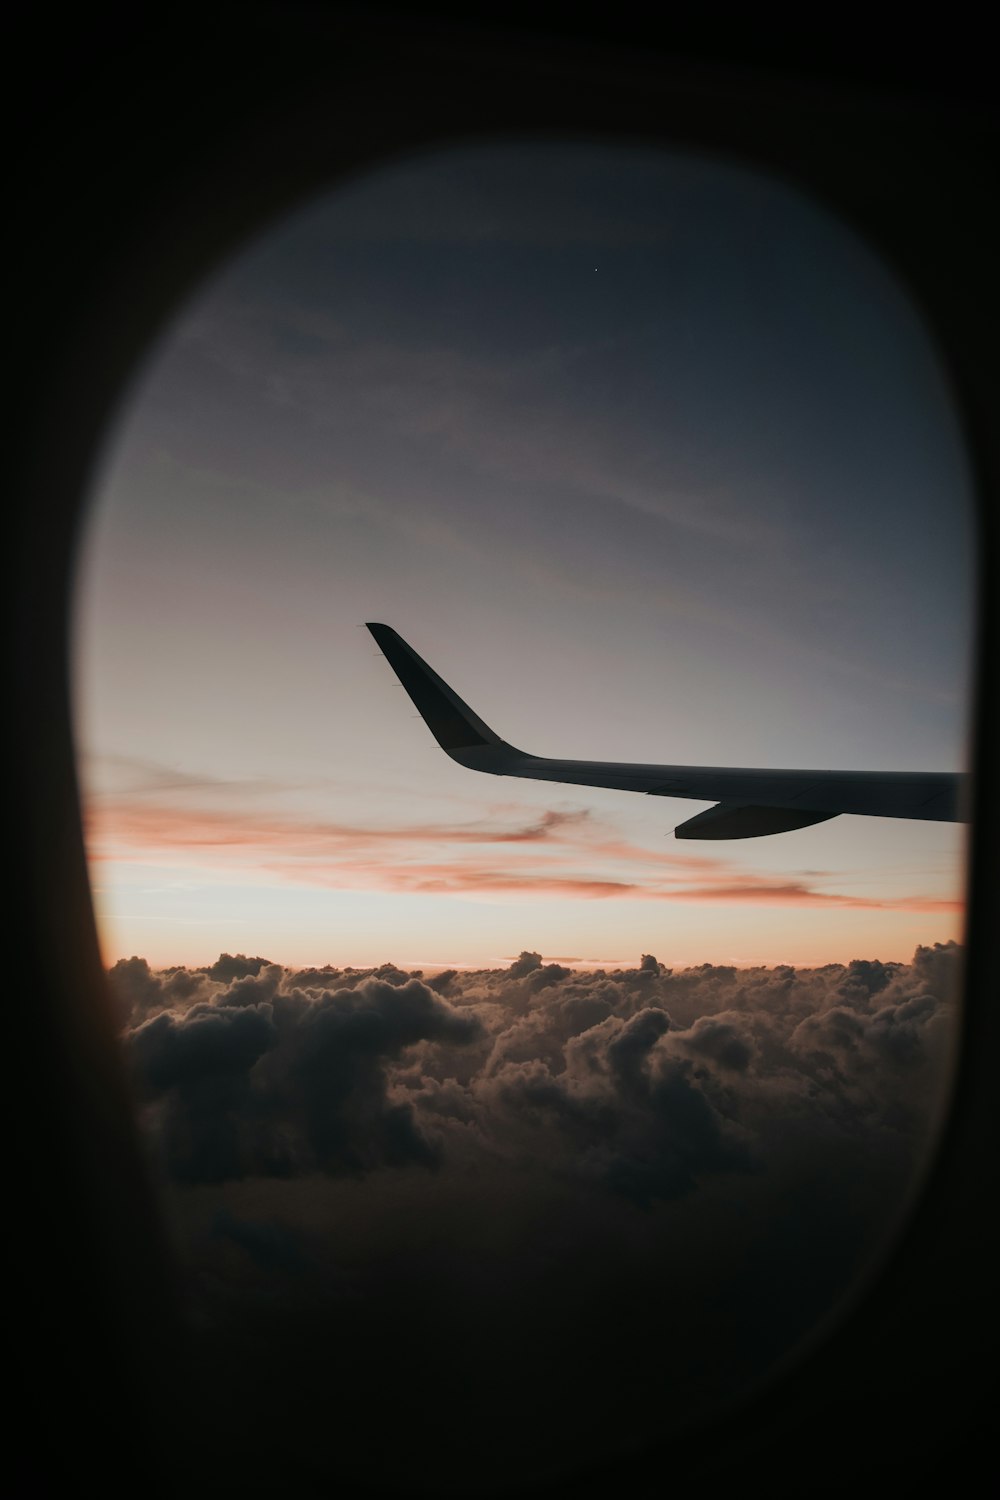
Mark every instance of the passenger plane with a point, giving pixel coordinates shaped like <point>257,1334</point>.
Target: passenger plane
<point>749,803</point>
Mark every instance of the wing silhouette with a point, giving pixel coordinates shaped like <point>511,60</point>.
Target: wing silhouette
<point>749,803</point>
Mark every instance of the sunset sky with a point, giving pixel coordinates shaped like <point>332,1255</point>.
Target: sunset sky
<point>648,456</point>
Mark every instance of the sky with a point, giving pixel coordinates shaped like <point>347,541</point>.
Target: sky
<point>648,455</point>
<point>496,1132</point>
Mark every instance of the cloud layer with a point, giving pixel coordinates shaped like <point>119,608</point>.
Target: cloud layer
<point>558,1179</point>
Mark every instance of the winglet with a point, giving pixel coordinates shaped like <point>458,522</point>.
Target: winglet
<point>450,721</point>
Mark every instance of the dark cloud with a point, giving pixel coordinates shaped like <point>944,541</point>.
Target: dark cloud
<point>135,987</point>
<point>235,965</point>
<point>500,1177</point>
<point>725,1039</point>
<point>138,991</point>
<point>346,1071</point>
<point>257,988</point>
<point>525,963</point>
<point>208,1041</point>
<point>548,974</point>
<point>269,1079</point>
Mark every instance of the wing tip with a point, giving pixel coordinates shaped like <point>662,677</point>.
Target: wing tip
<point>451,721</point>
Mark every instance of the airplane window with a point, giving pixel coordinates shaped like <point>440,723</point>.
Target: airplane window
<point>471,1089</point>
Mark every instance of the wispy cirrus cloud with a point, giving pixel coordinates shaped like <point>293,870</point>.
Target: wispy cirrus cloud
<point>127,822</point>
<point>559,854</point>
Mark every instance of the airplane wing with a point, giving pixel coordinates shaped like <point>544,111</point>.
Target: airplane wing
<point>749,802</point>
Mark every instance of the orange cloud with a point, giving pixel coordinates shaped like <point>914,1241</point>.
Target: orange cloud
<point>155,826</point>
<point>544,859</point>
